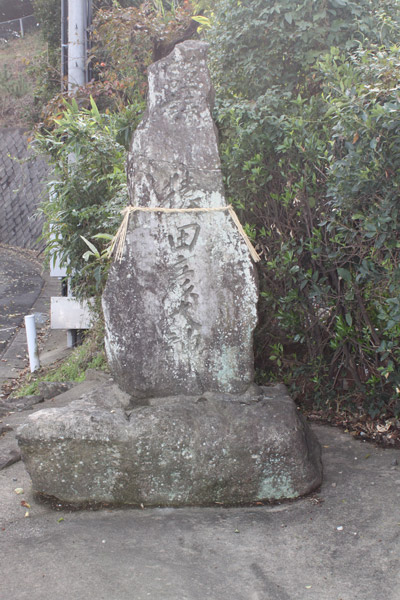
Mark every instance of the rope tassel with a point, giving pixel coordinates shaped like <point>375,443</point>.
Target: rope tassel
<point>118,242</point>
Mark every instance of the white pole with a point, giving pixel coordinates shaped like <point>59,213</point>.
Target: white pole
<point>71,333</point>
<point>31,338</point>
<point>76,44</point>
<point>78,13</point>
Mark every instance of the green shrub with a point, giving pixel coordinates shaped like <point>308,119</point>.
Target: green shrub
<point>309,146</point>
<point>15,86</point>
<point>126,42</point>
<point>88,190</point>
<point>86,138</point>
<point>257,44</point>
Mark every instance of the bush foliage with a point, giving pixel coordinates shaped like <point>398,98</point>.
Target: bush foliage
<point>125,42</point>
<point>308,102</point>
<point>86,138</point>
<point>88,190</point>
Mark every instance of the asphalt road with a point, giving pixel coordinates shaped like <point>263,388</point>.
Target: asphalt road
<point>20,285</point>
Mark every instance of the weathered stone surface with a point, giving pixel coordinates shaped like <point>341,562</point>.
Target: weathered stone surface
<point>175,451</point>
<point>5,429</point>
<point>180,320</point>
<point>9,454</point>
<point>4,409</point>
<point>50,389</point>
<point>174,160</point>
<point>180,308</point>
<point>21,403</point>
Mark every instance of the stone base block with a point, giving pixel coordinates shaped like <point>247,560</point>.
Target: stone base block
<point>174,451</point>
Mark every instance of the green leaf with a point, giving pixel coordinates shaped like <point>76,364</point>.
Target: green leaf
<point>344,274</point>
<point>103,236</point>
<point>95,110</point>
<point>87,255</point>
<point>91,246</point>
<point>204,21</point>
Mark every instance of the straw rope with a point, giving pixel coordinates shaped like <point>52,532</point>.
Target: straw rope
<point>118,242</point>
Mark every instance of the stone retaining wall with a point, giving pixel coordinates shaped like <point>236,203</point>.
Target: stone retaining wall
<point>22,185</point>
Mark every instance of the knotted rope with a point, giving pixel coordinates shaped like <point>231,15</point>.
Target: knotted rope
<point>118,242</point>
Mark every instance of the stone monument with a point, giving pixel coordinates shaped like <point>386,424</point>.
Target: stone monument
<point>180,305</point>
<point>183,424</point>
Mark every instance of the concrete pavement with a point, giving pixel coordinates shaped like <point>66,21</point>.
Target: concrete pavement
<point>25,288</point>
<point>342,543</point>
<point>20,285</point>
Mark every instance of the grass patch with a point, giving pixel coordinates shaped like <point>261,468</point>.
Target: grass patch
<point>16,83</point>
<point>89,355</point>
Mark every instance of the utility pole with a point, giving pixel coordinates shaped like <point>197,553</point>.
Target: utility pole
<point>76,19</point>
<point>66,312</point>
<point>77,22</point>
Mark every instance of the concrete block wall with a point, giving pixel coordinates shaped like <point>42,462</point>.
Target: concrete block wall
<point>22,185</point>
